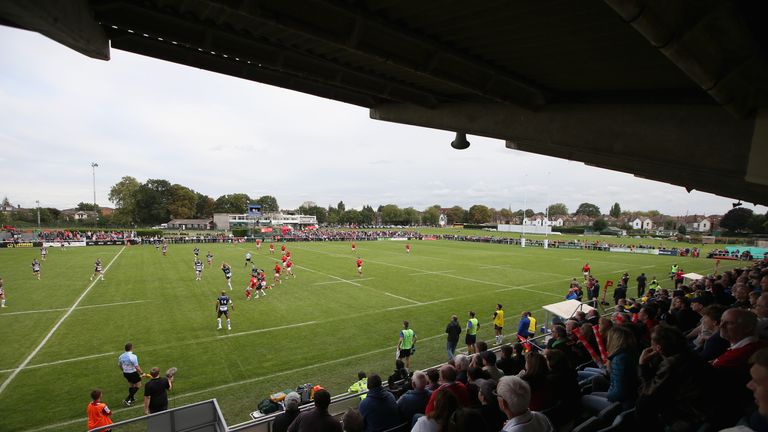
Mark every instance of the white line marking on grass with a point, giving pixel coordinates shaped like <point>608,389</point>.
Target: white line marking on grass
<point>339,281</point>
<point>77,308</point>
<point>55,327</point>
<point>401,298</point>
<point>267,329</point>
<point>65,361</point>
<point>431,272</point>
<point>330,276</point>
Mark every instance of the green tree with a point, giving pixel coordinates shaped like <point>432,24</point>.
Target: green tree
<point>182,202</point>
<point>411,216</point>
<point>319,212</point>
<point>557,209</point>
<point>736,220</point>
<point>152,202</point>
<point>599,224</point>
<point>268,204</point>
<point>86,206</point>
<point>506,215</point>
<point>391,215</point>
<point>588,209</point>
<point>479,214</point>
<point>431,215</point>
<point>615,210</point>
<point>350,216</point>
<point>333,215</point>
<point>341,207</point>
<point>682,229</point>
<point>123,194</point>
<point>204,206</point>
<point>367,216</point>
<point>758,224</point>
<point>455,215</point>
<point>236,203</point>
<point>669,224</point>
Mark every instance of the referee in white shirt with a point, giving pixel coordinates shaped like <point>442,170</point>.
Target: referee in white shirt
<point>129,364</point>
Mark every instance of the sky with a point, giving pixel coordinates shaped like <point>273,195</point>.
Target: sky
<point>150,119</point>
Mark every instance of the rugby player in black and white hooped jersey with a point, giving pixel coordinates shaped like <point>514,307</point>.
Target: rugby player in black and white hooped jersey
<point>97,270</point>
<point>223,304</point>
<point>196,251</point>
<point>198,270</point>
<point>227,273</point>
<point>36,268</point>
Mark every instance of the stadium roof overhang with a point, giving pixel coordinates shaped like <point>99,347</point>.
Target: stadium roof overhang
<point>674,91</point>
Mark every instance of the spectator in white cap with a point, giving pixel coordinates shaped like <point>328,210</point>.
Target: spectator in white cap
<point>282,421</point>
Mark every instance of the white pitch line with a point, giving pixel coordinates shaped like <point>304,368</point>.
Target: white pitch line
<point>80,307</point>
<point>339,281</point>
<point>431,272</point>
<point>330,276</point>
<point>55,327</point>
<point>401,298</point>
<point>64,361</point>
<point>267,329</point>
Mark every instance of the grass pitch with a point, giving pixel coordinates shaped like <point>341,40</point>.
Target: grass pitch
<point>321,327</point>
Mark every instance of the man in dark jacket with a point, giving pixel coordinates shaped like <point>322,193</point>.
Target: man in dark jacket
<point>282,421</point>
<point>414,401</point>
<point>318,419</point>
<point>379,409</point>
<point>454,330</point>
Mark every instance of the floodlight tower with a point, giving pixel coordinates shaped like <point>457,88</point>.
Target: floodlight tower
<point>94,165</point>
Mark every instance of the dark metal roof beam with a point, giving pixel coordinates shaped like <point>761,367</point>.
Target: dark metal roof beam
<point>287,24</point>
<point>538,95</point>
<point>275,56</point>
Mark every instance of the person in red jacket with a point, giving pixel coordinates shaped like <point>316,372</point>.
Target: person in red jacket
<point>98,412</point>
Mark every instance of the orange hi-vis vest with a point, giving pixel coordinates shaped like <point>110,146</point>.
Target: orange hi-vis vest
<point>96,415</point>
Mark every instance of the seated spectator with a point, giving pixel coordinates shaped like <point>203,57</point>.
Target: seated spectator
<point>283,420</point>
<point>352,421</point>
<point>445,403</point>
<point>359,386</point>
<point>563,379</point>
<point>489,366</point>
<point>761,310</point>
<point>681,315</point>
<point>448,383</point>
<point>379,409</point>
<point>514,396</point>
<point>512,360</point>
<point>738,327</point>
<point>493,416</point>
<point>673,384</point>
<point>710,344</point>
<point>741,292</point>
<point>542,394</point>
<point>475,377</point>
<point>622,370</point>
<point>399,378</point>
<point>433,375</point>
<point>317,419</point>
<point>461,363</point>
<point>470,420</point>
<point>414,401</point>
<point>758,420</point>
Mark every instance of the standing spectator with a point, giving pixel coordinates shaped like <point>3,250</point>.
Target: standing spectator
<point>128,362</point>
<point>156,392</point>
<point>514,396</point>
<point>524,326</point>
<point>593,292</point>
<point>406,344</point>
<point>532,326</point>
<point>620,292</point>
<point>318,419</point>
<point>98,412</point>
<point>379,409</point>
<point>471,337</point>
<point>454,330</point>
<point>641,280</point>
<point>414,401</point>
<point>282,421</point>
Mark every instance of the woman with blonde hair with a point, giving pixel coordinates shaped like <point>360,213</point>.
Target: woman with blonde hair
<point>622,372</point>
